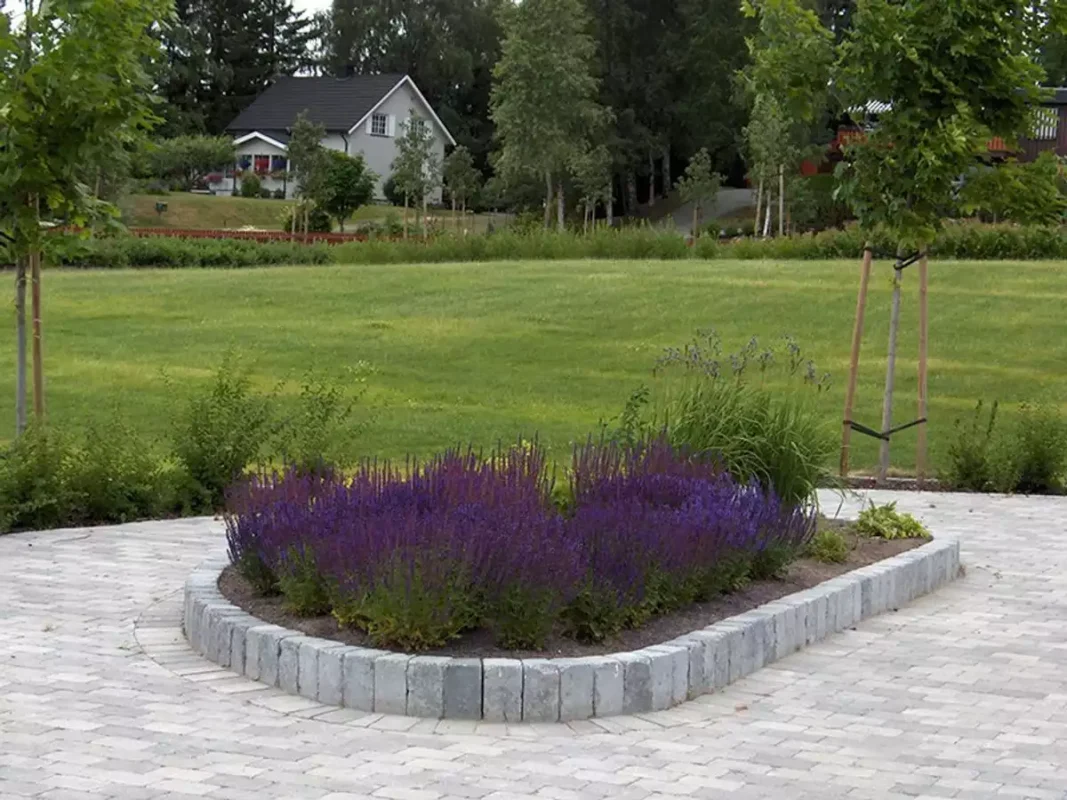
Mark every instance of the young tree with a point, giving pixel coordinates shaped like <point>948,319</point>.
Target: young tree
<point>189,158</point>
<point>699,186</point>
<point>461,178</point>
<point>416,168</point>
<point>75,91</point>
<point>787,77</point>
<point>592,175</point>
<point>305,162</point>
<point>957,72</point>
<point>346,185</point>
<point>544,94</point>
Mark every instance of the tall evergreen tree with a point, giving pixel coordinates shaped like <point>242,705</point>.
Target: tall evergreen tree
<point>220,54</point>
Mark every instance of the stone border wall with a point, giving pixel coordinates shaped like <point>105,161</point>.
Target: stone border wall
<point>558,689</point>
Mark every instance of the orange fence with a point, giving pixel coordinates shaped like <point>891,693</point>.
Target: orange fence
<point>258,236</point>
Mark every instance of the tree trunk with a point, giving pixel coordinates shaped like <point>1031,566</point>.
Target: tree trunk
<point>631,193</point>
<point>560,221</point>
<point>696,222</point>
<point>890,375</point>
<point>20,345</point>
<point>38,362</point>
<point>667,171</point>
<point>548,200</point>
<point>920,445</point>
<point>341,224</point>
<point>651,180</point>
<point>425,218</point>
<point>781,200</point>
<point>296,216</point>
<point>455,220</point>
<point>854,359</point>
<point>767,221</point>
<point>463,216</point>
<point>405,216</point>
<point>307,215</point>
<point>611,209</point>
<point>759,205</point>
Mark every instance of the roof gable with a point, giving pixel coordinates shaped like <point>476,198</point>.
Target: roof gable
<point>335,103</point>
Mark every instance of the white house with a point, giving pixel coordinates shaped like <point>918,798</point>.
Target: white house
<point>362,114</point>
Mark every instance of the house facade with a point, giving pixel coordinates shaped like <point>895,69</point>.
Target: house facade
<point>362,115</point>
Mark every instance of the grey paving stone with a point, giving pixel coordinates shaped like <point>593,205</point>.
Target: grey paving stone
<point>358,669</point>
<point>310,650</point>
<point>502,690</point>
<point>426,686</point>
<point>636,682</point>
<point>463,688</point>
<point>331,675</point>
<point>289,663</point>
<point>390,683</point>
<point>540,690</point>
<point>608,687</point>
<point>257,649</point>
<point>576,687</point>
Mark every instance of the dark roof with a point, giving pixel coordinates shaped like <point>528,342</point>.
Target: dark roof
<point>336,103</point>
<point>1058,96</point>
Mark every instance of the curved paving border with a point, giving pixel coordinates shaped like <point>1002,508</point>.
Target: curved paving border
<point>550,690</point>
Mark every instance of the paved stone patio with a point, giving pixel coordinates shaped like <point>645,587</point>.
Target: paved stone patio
<point>961,694</point>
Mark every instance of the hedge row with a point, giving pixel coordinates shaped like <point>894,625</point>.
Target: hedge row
<point>958,241</point>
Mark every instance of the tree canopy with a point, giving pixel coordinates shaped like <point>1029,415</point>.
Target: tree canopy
<point>346,185</point>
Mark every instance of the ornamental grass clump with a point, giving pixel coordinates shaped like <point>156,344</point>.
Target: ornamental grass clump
<point>415,556</point>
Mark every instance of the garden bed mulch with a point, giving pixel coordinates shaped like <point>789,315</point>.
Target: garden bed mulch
<point>801,574</point>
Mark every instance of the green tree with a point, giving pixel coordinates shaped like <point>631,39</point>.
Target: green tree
<point>346,185</point>
<point>786,84</point>
<point>220,54</point>
<point>544,94</point>
<point>188,159</point>
<point>957,72</point>
<point>461,178</point>
<point>592,175</point>
<point>1025,193</point>
<point>699,186</point>
<point>306,157</point>
<point>75,91</point>
<point>416,168</point>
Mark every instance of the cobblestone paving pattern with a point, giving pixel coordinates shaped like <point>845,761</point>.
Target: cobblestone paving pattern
<point>961,694</point>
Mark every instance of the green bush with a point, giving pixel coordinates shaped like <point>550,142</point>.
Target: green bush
<point>829,546</point>
<point>33,493</point>
<point>885,522</point>
<point>317,435</point>
<point>1029,456</point>
<point>165,251</point>
<point>250,185</point>
<point>219,433</point>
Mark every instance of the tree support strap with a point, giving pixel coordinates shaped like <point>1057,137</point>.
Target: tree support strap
<point>884,435</point>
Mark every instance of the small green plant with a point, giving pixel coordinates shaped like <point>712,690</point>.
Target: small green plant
<point>1032,457</point>
<point>969,453</point>
<point>251,185</point>
<point>885,522</point>
<point>33,493</point>
<point>829,546</point>
<point>220,432</point>
<point>301,583</point>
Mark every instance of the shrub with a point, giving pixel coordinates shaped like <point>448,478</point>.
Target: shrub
<point>33,493</point>
<point>885,522</point>
<point>279,194</point>
<point>265,193</point>
<point>250,185</point>
<point>417,556</point>
<point>969,465</point>
<point>1032,457</point>
<point>318,220</point>
<point>219,433</point>
<point>316,436</point>
<point>165,251</point>
<point>829,546</point>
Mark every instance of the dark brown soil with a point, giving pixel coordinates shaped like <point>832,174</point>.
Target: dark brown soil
<point>901,484</point>
<point>802,574</point>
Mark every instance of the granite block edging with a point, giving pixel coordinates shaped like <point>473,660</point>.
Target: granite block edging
<point>550,690</point>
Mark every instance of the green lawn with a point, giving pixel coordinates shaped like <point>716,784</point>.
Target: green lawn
<point>480,352</point>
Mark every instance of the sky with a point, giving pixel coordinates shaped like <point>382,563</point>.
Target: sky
<point>311,5</point>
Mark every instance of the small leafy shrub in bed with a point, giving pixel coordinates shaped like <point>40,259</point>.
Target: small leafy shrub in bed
<point>165,251</point>
<point>829,546</point>
<point>416,556</point>
<point>885,522</point>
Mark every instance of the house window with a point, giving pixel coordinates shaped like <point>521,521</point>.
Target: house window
<point>244,162</point>
<point>1046,122</point>
<point>262,165</point>
<point>278,164</point>
<point>379,125</point>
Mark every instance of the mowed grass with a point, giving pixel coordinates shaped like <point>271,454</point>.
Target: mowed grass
<point>486,352</point>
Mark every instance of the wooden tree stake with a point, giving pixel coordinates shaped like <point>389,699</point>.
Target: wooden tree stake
<point>38,365</point>
<point>854,359</point>
<point>920,445</point>
<point>890,375</point>
<point>20,346</point>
